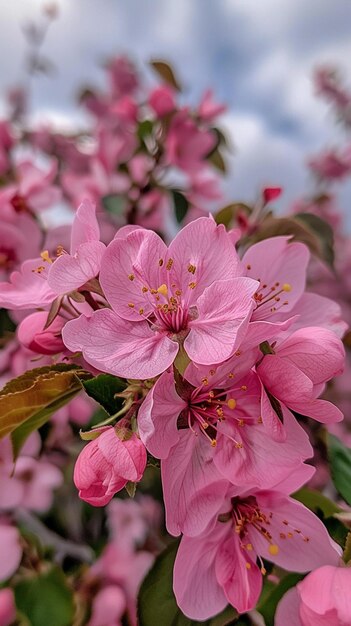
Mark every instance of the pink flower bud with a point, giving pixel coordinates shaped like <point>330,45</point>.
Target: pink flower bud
<point>271,193</point>
<point>31,333</point>
<point>162,101</point>
<point>107,463</point>
<point>7,607</point>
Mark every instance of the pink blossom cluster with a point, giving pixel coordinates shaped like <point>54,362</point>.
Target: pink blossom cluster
<point>222,353</point>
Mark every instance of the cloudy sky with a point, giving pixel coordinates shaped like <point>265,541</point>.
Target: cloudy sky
<point>258,56</point>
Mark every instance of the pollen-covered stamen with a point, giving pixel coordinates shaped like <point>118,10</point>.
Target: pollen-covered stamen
<point>272,294</point>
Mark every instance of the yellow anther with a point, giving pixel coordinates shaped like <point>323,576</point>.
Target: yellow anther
<point>141,311</point>
<point>60,250</point>
<point>163,290</point>
<point>230,375</point>
<point>248,565</point>
<point>231,403</point>
<point>160,262</point>
<point>243,388</point>
<point>204,381</point>
<point>144,289</point>
<point>169,264</point>
<point>249,546</point>
<point>263,571</point>
<point>287,287</point>
<point>192,285</point>
<point>131,305</point>
<point>131,276</point>
<point>213,443</point>
<point>191,269</point>
<point>45,256</point>
<point>239,446</point>
<point>241,422</point>
<point>273,549</point>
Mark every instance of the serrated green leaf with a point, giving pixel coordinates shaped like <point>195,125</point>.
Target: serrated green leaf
<point>156,601</point>
<point>28,401</point>
<point>340,466</point>
<point>103,388</point>
<point>46,599</point>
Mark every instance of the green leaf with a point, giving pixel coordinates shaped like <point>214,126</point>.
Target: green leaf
<point>181,205</point>
<point>103,389</point>
<point>316,501</point>
<point>28,401</point>
<point>156,602</point>
<point>145,129</point>
<point>166,73</point>
<point>323,232</point>
<point>7,326</point>
<point>268,604</point>
<point>114,204</point>
<point>46,599</point>
<point>340,467</point>
<point>231,212</point>
<point>217,160</point>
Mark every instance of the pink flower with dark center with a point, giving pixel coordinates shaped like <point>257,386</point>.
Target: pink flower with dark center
<point>189,294</point>
<point>206,435</point>
<point>224,564</point>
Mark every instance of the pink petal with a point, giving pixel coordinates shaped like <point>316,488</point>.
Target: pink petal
<point>108,607</point>
<point>317,352</point>
<point>207,247</point>
<point>85,226</point>
<point>287,611</point>
<point>320,410</point>
<point>11,551</point>
<point>27,288</point>
<point>224,310</point>
<point>316,310</point>
<point>119,347</point>
<point>238,575</point>
<point>71,272</point>
<point>198,594</point>
<point>305,550</point>
<point>192,487</point>
<point>129,265</point>
<point>284,380</point>
<point>157,417</point>
<point>277,260</point>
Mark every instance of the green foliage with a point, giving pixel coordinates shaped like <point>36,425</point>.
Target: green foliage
<point>103,388</point>
<point>269,599</point>
<point>340,467</point>
<point>114,204</point>
<point>45,599</point>
<point>317,502</point>
<point>323,232</point>
<point>27,402</point>
<point>231,212</point>
<point>181,205</point>
<point>156,602</point>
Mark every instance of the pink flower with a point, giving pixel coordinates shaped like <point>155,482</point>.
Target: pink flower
<point>71,271</point>
<point>296,372</point>
<point>321,599</point>
<point>108,607</point>
<point>209,434</point>
<point>19,241</point>
<point>123,76</point>
<point>31,334</point>
<point>7,607</point>
<point>189,293</point>
<point>35,188</point>
<point>271,193</point>
<point>331,165</point>
<point>107,463</point>
<point>220,566</point>
<point>27,288</point>
<point>208,108</point>
<point>187,146</point>
<point>11,550</point>
<point>162,100</point>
